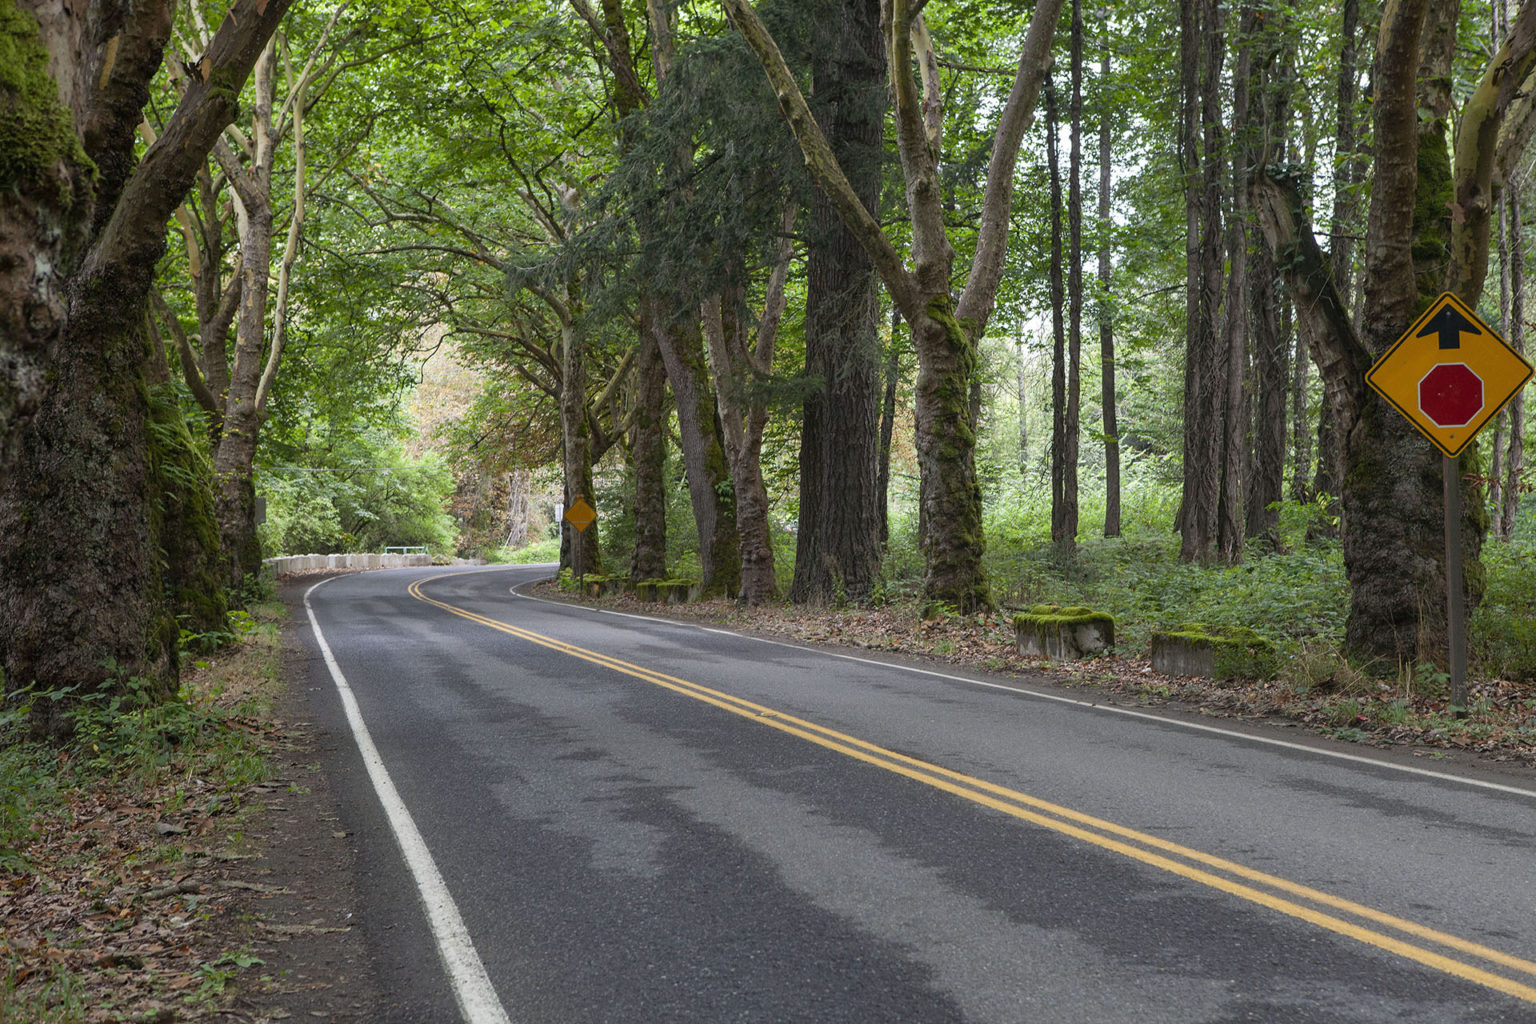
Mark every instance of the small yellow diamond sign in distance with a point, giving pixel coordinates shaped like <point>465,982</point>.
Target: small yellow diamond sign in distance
<point>1450,374</point>
<point>580,515</point>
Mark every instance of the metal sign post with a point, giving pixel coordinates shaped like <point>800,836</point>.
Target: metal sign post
<point>1455,609</point>
<point>1449,374</point>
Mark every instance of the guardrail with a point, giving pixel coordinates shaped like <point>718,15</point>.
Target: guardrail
<point>389,560</point>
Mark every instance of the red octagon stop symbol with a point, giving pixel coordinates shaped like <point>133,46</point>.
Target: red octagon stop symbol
<point>1451,395</point>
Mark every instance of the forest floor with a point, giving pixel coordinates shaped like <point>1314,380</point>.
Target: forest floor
<point>1315,691</point>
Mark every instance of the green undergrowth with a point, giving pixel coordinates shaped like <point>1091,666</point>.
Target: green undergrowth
<point>1293,599</point>
<point>538,552</point>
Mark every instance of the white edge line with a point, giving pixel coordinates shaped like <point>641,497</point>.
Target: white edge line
<point>1074,702</point>
<point>472,987</point>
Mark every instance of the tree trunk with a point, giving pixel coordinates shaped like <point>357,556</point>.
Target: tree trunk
<point>235,455</point>
<point>1268,103</point>
<point>1205,382</point>
<point>892,376</point>
<point>576,447</point>
<point>80,536</point>
<point>1073,421</point>
<point>1514,465</point>
<point>1022,393</point>
<point>1237,309</point>
<point>1106,317</point>
<point>946,447</point>
<point>241,392</point>
<point>838,543</point>
<point>1061,534</point>
<point>649,447</point>
<point>187,527</point>
<point>704,460</point>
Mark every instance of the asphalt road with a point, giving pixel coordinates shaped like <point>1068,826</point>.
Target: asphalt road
<point>641,821</point>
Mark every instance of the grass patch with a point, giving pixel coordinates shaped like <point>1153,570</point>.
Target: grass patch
<point>547,550</point>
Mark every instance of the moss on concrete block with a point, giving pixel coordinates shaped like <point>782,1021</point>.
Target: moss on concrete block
<point>1214,652</point>
<point>1065,634</point>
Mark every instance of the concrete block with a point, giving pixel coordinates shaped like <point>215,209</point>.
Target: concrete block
<point>1214,652</point>
<point>1063,634</point>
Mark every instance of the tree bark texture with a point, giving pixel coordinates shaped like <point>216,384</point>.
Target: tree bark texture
<point>1269,113</point>
<point>1237,308</point>
<point>1072,425</point>
<point>1514,465</point>
<point>1205,382</point>
<point>704,460</point>
<point>576,447</point>
<point>1107,397</point>
<point>648,445</point>
<point>837,545</point>
<point>1061,534</point>
<point>80,531</point>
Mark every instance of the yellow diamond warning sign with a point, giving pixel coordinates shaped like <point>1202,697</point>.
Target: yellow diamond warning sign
<point>1449,374</point>
<point>580,514</point>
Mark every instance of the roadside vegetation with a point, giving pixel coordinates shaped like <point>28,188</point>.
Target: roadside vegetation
<point>114,841</point>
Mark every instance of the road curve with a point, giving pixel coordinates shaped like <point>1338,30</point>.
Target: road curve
<point>638,821</point>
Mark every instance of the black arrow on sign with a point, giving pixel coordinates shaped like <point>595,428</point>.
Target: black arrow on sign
<point>1449,324</point>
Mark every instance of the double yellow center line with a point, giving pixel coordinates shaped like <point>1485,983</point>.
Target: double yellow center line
<point>1444,952</point>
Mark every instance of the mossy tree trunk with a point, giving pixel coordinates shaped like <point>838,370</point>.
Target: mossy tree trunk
<point>182,514</point>
<point>944,332</point>
<point>82,593</point>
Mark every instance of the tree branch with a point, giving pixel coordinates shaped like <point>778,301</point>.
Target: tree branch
<point>980,296</point>
<point>189,371</point>
<point>165,174</point>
